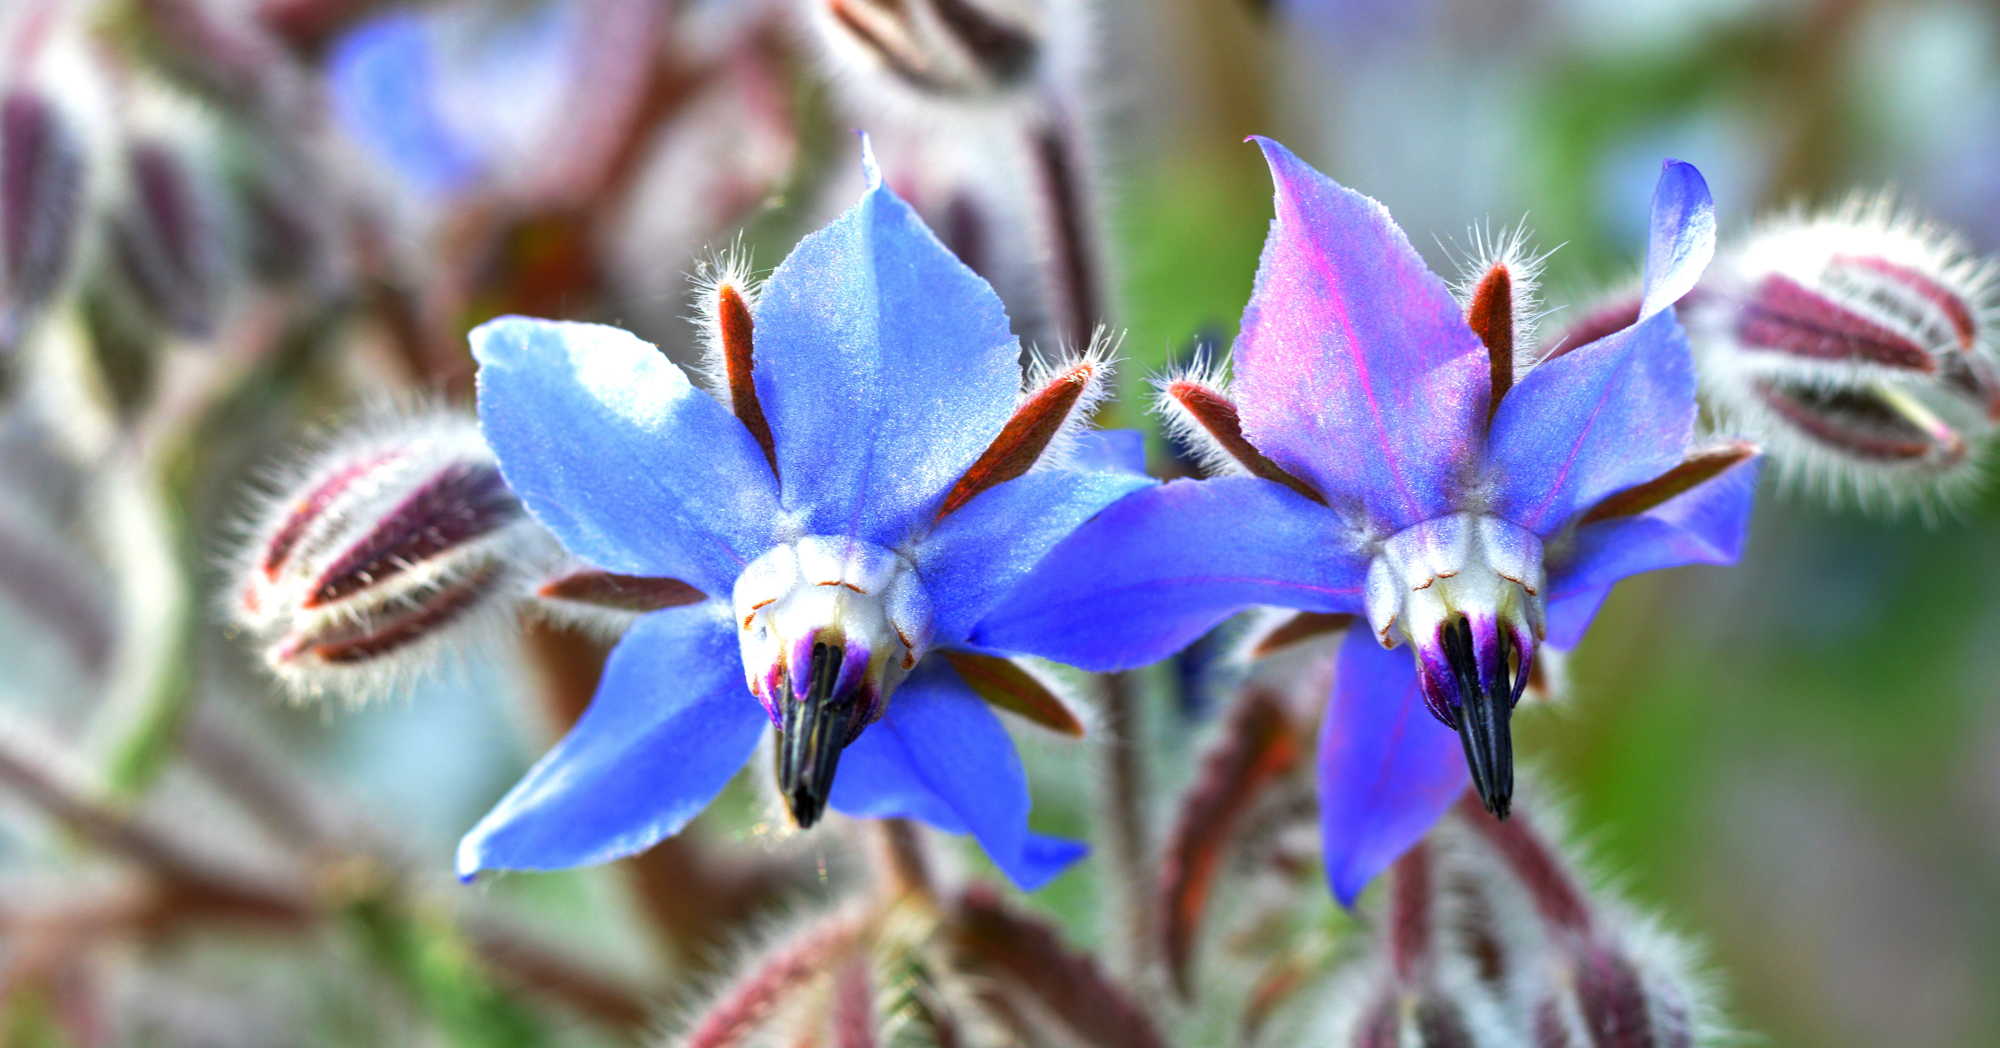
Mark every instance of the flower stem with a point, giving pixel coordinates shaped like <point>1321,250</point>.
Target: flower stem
<point>1124,833</point>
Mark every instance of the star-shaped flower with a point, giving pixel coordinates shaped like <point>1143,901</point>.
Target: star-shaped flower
<point>881,482</point>
<point>1398,470</point>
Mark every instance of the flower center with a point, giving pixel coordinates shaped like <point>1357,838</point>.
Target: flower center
<point>1466,592</point>
<point>829,626</point>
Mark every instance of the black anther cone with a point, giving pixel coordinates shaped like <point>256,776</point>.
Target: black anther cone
<point>1483,720</point>
<point>815,731</point>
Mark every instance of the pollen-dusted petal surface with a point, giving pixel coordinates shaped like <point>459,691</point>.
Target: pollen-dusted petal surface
<point>1355,369</point>
<point>1108,451</point>
<point>1161,566</point>
<point>670,724</point>
<point>613,450</point>
<point>885,367</point>
<point>940,755</point>
<point>978,553</point>
<point>1595,420</point>
<point>1707,524</point>
<point>1387,769</point>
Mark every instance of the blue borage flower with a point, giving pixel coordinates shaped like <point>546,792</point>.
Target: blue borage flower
<point>1395,469</point>
<point>881,483</point>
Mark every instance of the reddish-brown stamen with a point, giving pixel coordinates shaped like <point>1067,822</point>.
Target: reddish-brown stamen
<point>1008,686</point>
<point>1701,466</point>
<point>733,324</point>
<point>1023,439</point>
<point>1491,315</point>
<point>1303,626</point>
<point>623,592</point>
<point>1217,414</point>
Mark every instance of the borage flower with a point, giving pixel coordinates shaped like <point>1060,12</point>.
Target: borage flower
<point>1397,469</point>
<point>881,483</point>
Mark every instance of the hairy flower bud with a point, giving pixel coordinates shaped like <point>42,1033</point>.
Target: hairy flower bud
<point>930,49</point>
<point>166,240</point>
<point>1859,346</point>
<point>390,551</point>
<point>41,188</point>
<point>1578,969</point>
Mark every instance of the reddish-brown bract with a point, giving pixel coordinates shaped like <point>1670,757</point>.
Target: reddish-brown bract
<point>1023,439</point>
<point>736,330</point>
<point>1701,465</point>
<point>1257,746</point>
<point>623,592</point>
<point>1218,415</point>
<point>1491,314</point>
<point>1000,682</point>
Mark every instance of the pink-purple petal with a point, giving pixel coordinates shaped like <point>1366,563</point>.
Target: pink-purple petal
<point>1356,370</point>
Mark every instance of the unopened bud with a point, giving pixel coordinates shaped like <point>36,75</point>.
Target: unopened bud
<point>392,552</point>
<point>1859,347</point>
<point>930,50</point>
<point>166,241</point>
<point>41,186</point>
<point>1576,965</point>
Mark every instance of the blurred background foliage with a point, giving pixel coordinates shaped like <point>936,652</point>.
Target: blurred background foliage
<point>1798,758</point>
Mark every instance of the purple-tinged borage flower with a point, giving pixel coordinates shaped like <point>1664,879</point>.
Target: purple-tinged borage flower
<point>864,486</point>
<point>1396,467</point>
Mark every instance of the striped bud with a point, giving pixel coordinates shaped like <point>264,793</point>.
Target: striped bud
<point>166,240</point>
<point>1859,346</point>
<point>1576,968</point>
<point>930,49</point>
<point>41,189</point>
<point>396,548</point>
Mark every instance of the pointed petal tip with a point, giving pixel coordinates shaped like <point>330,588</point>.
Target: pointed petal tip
<point>1683,235</point>
<point>869,166</point>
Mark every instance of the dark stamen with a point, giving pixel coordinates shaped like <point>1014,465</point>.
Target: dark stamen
<point>733,324</point>
<point>814,733</point>
<point>1491,315</point>
<point>1482,719</point>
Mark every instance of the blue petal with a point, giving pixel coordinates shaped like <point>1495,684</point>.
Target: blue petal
<point>1615,413</point>
<point>885,367</point>
<point>671,723</point>
<point>1108,451</point>
<point>1571,613</point>
<point>1707,524</point>
<point>980,551</point>
<point>940,755</point>
<point>611,448</point>
<point>1162,566</point>
<point>1682,239</point>
<point>1355,368</point>
<point>382,78</point>
<point>1387,769</point>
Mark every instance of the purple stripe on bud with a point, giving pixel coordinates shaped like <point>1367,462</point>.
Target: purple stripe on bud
<point>432,610</point>
<point>1787,317</point>
<point>165,243</point>
<point>309,508</point>
<point>459,504</point>
<point>41,181</point>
